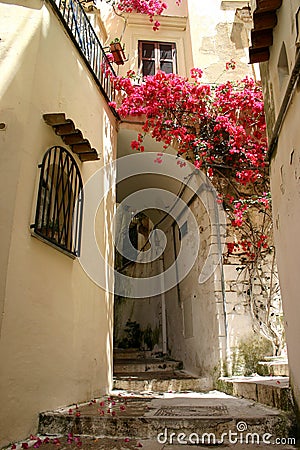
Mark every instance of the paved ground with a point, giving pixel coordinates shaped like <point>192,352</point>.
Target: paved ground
<point>139,420</point>
<point>187,412</point>
<point>63,443</point>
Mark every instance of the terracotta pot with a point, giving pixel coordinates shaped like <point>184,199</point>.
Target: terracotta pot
<point>118,53</point>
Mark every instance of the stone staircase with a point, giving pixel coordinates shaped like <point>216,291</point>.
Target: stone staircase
<point>139,371</point>
<point>156,405</point>
<point>203,418</point>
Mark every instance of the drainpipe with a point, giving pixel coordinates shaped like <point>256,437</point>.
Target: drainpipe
<point>163,308</point>
<point>176,267</point>
<point>284,106</point>
<point>163,301</point>
<point>227,343</point>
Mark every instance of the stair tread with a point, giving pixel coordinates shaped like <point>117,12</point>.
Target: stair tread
<point>141,416</point>
<point>194,405</point>
<point>167,375</point>
<point>145,361</point>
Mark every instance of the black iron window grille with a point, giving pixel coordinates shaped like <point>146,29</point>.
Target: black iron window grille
<point>82,33</point>
<point>59,208</point>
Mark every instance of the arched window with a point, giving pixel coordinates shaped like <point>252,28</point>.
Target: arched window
<point>58,216</point>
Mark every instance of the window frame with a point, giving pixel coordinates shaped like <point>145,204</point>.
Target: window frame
<point>59,205</point>
<point>157,60</point>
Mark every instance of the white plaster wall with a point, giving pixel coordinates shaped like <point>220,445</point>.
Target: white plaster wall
<point>239,318</point>
<point>145,311</point>
<point>217,35</point>
<point>285,32</point>
<point>285,186</point>
<point>285,179</point>
<point>56,333</point>
<point>200,332</point>
<point>191,309</point>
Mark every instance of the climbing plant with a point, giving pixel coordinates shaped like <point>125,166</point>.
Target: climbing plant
<point>221,129</point>
<point>151,8</point>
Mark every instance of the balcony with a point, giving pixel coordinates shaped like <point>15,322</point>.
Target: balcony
<point>73,17</point>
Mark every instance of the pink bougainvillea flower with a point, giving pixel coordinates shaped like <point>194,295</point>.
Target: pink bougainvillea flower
<point>156,25</point>
<point>231,65</point>
<point>222,131</point>
<point>181,163</point>
<point>25,445</point>
<point>149,7</point>
<point>110,57</point>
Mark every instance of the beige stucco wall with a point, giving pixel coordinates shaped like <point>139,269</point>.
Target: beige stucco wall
<point>285,176</point>
<point>207,320</point>
<point>218,35</point>
<point>205,37</point>
<point>56,324</point>
<point>192,322</point>
<point>285,186</point>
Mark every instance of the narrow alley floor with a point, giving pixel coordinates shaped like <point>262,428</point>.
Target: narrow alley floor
<point>127,420</point>
<point>148,444</point>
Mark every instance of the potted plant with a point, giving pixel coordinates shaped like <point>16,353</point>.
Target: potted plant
<point>117,51</point>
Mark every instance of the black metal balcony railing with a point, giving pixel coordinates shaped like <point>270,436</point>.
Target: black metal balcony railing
<point>80,30</point>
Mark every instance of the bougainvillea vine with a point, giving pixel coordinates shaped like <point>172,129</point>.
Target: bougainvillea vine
<point>150,8</point>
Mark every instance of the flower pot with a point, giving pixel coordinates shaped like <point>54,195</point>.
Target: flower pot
<point>117,52</point>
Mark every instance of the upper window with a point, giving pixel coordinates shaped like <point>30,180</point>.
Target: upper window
<point>155,56</point>
<point>58,216</point>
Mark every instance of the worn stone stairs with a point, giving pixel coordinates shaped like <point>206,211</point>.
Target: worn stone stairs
<point>139,371</point>
<point>164,408</point>
<point>168,419</point>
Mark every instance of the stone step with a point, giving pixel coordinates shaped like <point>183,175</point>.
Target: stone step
<point>158,416</point>
<point>270,391</point>
<point>145,365</point>
<point>169,381</point>
<point>131,353</point>
<point>275,366</point>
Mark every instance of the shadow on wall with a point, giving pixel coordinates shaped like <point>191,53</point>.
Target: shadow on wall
<point>137,323</point>
<point>32,4</point>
